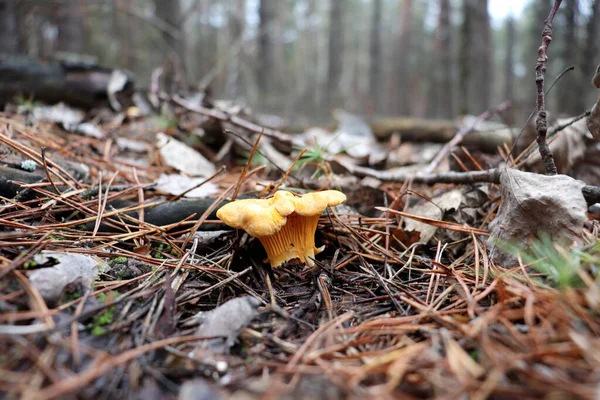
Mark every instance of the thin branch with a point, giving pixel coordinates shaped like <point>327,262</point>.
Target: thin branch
<point>524,156</point>
<point>463,132</point>
<point>590,193</point>
<point>233,119</point>
<point>540,70</point>
<point>516,139</point>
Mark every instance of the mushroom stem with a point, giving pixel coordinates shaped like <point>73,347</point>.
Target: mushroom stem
<point>296,239</point>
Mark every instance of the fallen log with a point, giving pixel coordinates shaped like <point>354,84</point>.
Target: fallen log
<point>439,131</point>
<point>429,130</point>
<point>79,83</point>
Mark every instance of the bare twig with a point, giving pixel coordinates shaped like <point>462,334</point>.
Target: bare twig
<point>590,193</point>
<point>516,139</point>
<point>102,366</point>
<point>463,132</point>
<point>238,185</point>
<point>533,146</point>
<point>540,70</point>
<point>233,119</point>
<point>490,175</point>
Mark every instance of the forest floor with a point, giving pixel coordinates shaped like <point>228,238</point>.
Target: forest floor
<point>100,301</point>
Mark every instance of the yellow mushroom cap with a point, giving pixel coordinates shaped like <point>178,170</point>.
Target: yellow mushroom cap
<point>265,218</point>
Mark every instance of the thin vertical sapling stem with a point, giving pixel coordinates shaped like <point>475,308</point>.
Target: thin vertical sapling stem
<point>540,69</point>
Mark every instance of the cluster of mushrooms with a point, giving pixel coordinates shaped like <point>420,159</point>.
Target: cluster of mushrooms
<point>285,224</point>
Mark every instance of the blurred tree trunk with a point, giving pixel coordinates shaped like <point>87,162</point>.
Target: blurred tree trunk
<point>509,74</point>
<point>441,97</point>
<point>375,56</point>
<point>69,19</point>
<point>403,60</point>
<point>475,58</point>
<point>237,18</point>
<point>205,45</point>
<point>542,9</point>
<point>567,102</point>
<point>281,67</point>
<point>170,12</point>
<point>590,55</point>
<point>125,28</point>
<point>464,56</point>
<point>29,32</point>
<point>335,51</point>
<point>9,21</point>
<point>316,95</point>
<point>482,57</point>
<point>267,12</point>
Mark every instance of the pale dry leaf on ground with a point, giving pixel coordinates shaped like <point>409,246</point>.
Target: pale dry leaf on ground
<point>117,82</point>
<point>225,322</point>
<point>136,146</point>
<point>60,113</point>
<point>73,270</point>
<point>182,157</point>
<point>176,184</point>
<point>433,209</point>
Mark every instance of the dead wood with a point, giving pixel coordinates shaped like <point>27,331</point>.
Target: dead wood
<point>79,84</point>
<point>427,130</point>
<point>437,131</point>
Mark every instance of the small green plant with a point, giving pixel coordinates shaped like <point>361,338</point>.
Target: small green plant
<point>558,264</point>
<point>159,250</point>
<point>315,156</point>
<point>30,264</point>
<point>106,317</point>
<point>165,122</point>
<point>257,160</point>
<point>98,331</point>
<point>70,296</point>
<point>102,297</point>
<point>25,104</point>
<point>117,260</point>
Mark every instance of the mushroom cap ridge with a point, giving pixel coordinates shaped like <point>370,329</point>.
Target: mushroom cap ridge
<point>265,217</point>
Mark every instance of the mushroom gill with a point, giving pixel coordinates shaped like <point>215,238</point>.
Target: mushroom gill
<point>285,224</point>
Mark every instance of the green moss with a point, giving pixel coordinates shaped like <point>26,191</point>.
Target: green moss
<point>106,317</point>
<point>98,331</point>
<point>117,260</point>
<point>30,264</point>
<point>68,297</point>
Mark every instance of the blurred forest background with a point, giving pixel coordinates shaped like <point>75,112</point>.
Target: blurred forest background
<point>422,58</point>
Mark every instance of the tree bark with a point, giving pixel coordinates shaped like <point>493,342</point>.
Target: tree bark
<point>375,56</point>
<point>335,51</point>
<point>170,12</point>
<point>466,42</point>
<point>125,28</point>
<point>237,18</point>
<point>403,60</point>
<point>509,74</point>
<point>69,19</point>
<point>9,33</point>
<point>464,57</point>
<point>442,97</point>
<point>475,58</point>
<point>567,100</point>
<point>76,84</point>
<point>267,12</point>
<point>590,55</point>
<point>482,57</point>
